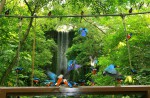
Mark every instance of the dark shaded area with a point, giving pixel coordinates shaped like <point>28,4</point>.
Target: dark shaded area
<point>53,34</point>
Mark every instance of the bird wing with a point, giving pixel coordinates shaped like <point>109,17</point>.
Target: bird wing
<point>52,76</point>
<point>111,70</point>
<point>77,66</point>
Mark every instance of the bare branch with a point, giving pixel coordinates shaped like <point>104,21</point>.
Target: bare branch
<point>28,6</point>
<point>94,25</point>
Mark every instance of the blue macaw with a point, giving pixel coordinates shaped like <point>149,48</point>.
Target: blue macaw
<point>83,31</point>
<point>72,65</point>
<point>111,69</point>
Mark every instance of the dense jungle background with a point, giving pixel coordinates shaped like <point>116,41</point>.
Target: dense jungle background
<point>38,45</point>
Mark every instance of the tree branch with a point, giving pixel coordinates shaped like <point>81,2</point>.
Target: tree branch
<point>28,6</point>
<point>14,61</point>
<point>94,25</point>
<point>2,3</point>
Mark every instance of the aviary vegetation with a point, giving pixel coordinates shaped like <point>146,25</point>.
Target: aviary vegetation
<point>25,42</point>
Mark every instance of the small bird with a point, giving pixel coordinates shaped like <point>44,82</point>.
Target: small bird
<point>130,10</point>
<point>72,65</point>
<point>83,32</point>
<point>49,13</point>
<point>82,13</point>
<point>18,69</point>
<point>36,80</point>
<point>70,85</point>
<point>35,14</point>
<point>82,82</point>
<point>133,71</point>
<point>111,70</point>
<point>94,71</point>
<point>7,12</point>
<point>129,36</point>
<point>52,79</point>
<point>119,79</point>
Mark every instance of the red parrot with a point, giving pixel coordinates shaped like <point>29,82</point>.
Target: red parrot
<point>129,36</point>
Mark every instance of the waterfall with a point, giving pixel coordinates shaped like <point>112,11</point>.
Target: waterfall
<point>62,48</point>
<point>63,44</point>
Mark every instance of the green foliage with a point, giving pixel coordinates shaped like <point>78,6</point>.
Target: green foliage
<point>109,46</point>
<point>9,41</point>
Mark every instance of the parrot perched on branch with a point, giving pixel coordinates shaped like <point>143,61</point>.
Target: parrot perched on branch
<point>129,36</point>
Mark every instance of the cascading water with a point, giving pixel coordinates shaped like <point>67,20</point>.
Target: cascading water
<point>63,42</point>
<point>62,48</point>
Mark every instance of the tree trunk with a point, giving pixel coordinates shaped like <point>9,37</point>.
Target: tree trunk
<point>2,3</point>
<point>14,61</point>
